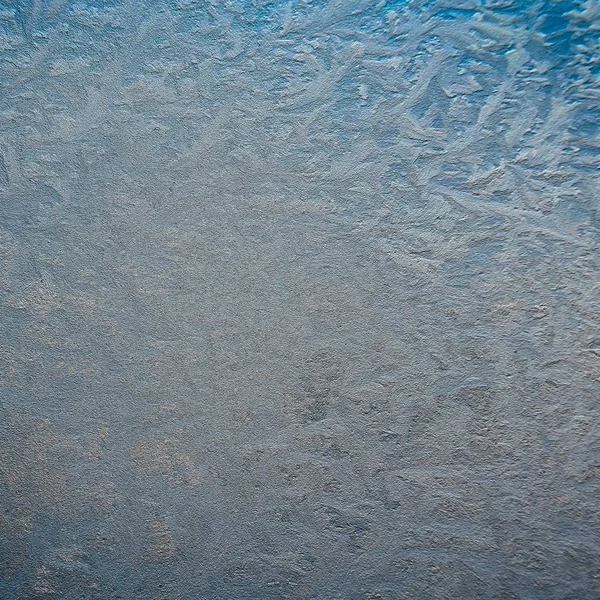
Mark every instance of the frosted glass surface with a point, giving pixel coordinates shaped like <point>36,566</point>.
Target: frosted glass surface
<point>299,300</point>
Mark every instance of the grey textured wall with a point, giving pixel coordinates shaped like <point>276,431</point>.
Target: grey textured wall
<point>299,300</point>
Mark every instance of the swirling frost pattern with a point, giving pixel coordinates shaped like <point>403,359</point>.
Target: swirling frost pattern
<point>299,300</point>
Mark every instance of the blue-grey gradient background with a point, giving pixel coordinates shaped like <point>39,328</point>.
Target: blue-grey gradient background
<point>299,300</point>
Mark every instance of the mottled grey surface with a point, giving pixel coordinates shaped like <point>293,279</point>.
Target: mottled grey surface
<point>299,300</point>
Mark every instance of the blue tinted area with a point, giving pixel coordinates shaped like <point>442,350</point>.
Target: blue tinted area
<point>298,300</point>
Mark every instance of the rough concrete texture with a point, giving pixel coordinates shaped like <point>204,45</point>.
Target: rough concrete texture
<point>299,300</point>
